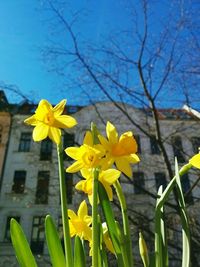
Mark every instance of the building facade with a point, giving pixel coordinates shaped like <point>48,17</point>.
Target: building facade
<point>30,184</point>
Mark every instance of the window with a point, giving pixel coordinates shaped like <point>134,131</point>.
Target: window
<point>19,182</point>
<point>25,142</point>
<point>68,141</point>
<point>69,187</point>
<point>178,149</point>
<point>37,236</point>
<point>7,232</point>
<point>138,178</point>
<point>160,180</point>
<point>154,145</point>
<point>137,138</point>
<point>42,188</point>
<point>195,144</point>
<point>46,149</point>
<point>185,183</point>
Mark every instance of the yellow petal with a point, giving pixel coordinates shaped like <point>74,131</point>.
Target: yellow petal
<point>64,121</point>
<point>40,132</point>
<point>104,142</point>
<point>195,161</point>
<point>87,233</point>
<point>55,134</point>
<point>79,185</point>
<point>71,214</point>
<point>108,190</point>
<point>88,220</point>
<point>75,167</point>
<point>128,143</point>
<point>59,108</point>
<point>43,108</point>
<point>86,173</point>
<point>90,198</point>
<point>111,133</point>
<point>72,229</point>
<point>124,166</point>
<point>88,139</point>
<point>31,120</point>
<point>83,210</point>
<point>133,158</point>
<point>110,176</point>
<point>72,152</point>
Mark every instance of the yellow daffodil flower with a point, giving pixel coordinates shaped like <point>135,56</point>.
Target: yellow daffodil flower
<point>106,238</point>
<point>48,121</point>
<point>121,151</point>
<point>107,178</point>
<point>86,156</point>
<point>195,161</point>
<point>80,224</point>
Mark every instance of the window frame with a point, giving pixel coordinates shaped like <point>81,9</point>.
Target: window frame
<point>25,142</point>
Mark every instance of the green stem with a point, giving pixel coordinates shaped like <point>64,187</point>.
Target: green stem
<point>95,235</point>
<point>126,226</point>
<point>63,197</point>
<point>158,214</point>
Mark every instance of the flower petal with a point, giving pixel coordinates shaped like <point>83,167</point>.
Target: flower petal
<point>83,210</point>
<point>55,134</point>
<point>40,132</point>
<point>72,152</point>
<point>59,108</point>
<point>88,139</point>
<point>124,166</point>
<point>110,176</point>
<point>111,133</point>
<point>75,167</point>
<point>31,120</point>
<point>64,121</point>
<point>43,108</point>
<point>71,214</point>
<point>195,161</point>
<point>133,158</point>
<point>104,142</point>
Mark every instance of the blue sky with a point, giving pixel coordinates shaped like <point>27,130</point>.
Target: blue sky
<point>26,28</point>
<point>24,31</point>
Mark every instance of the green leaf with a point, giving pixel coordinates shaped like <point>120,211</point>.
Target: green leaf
<point>54,244</point>
<point>184,221</point>
<point>110,220</point>
<point>161,251</point>
<point>79,253</point>
<point>21,246</point>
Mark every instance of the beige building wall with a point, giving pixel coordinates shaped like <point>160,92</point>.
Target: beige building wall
<point>5,121</point>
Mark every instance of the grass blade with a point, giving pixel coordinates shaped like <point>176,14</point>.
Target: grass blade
<point>21,246</point>
<point>54,244</point>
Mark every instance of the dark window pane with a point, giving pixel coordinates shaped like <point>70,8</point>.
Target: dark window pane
<point>137,138</point>
<point>25,142</point>
<point>178,149</point>
<point>37,237</point>
<point>154,145</point>
<point>7,232</point>
<point>185,183</point>
<point>46,149</point>
<point>160,180</point>
<point>195,144</point>
<point>42,188</point>
<point>68,141</point>
<point>19,182</point>
<point>138,178</point>
<point>69,187</point>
